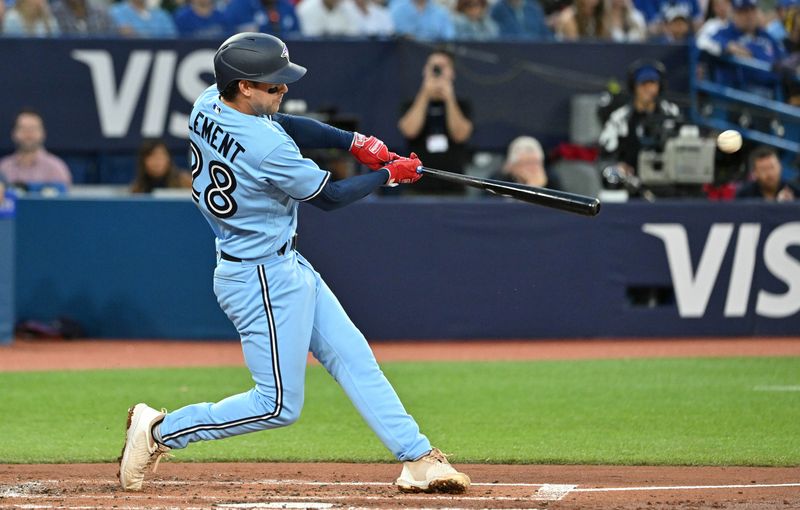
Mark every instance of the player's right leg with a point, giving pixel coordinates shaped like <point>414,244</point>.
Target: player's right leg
<point>272,307</point>
<point>345,353</point>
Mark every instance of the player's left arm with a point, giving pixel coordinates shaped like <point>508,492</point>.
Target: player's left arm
<point>335,195</point>
<point>310,133</point>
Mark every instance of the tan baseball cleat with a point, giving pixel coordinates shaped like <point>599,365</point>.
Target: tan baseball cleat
<point>432,473</point>
<point>140,449</point>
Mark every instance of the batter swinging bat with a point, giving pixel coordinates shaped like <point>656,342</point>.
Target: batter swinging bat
<point>570,202</point>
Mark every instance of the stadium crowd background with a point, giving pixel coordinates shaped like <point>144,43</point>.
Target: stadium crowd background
<point>765,31</point>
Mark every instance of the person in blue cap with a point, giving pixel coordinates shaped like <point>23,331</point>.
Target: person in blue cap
<point>745,38</point>
<point>643,122</point>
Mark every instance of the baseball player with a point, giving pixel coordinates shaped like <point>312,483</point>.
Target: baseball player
<point>248,178</point>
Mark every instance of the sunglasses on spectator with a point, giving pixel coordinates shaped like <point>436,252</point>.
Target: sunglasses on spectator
<point>275,89</point>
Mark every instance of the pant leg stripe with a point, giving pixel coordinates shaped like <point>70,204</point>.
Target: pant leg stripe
<point>276,371</point>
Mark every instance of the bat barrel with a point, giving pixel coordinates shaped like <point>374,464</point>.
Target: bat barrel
<point>565,201</point>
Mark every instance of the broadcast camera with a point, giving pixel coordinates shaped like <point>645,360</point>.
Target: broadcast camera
<point>667,159</point>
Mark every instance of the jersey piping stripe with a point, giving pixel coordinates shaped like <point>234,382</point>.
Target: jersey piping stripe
<point>276,371</point>
<point>322,185</point>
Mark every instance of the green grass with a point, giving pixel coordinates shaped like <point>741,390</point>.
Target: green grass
<point>665,411</point>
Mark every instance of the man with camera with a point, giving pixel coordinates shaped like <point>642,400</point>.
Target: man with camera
<point>645,122</point>
<point>436,124</point>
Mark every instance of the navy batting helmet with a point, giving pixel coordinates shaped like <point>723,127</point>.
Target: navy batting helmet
<point>256,57</point>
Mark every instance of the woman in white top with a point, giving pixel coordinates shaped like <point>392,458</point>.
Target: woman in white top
<point>624,22</point>
<point>30,18</point>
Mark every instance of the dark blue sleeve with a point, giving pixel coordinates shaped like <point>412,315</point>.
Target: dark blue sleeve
<point>341,193</point>
<point>312,134</point>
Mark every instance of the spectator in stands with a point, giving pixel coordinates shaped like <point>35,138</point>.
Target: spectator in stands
<point>643,122</point>
<point>676,24</point>
<point>745,38</point>
<point>767,182</point>
<point>719,15</point>
<point>30,18</point>
<point>624,22</point>
<point>473,22</point>
<point>373,19</point>
<point>422,19</point>
<point>327,18</point>
<point>585,19</point>
<point>790,65</point>
<point>275,17</point>
<point>135,18</point>
<point>201,18</point>
<point>436,124</point>
<point>521,19</point>
<point>776,27</point>
<point>81,18</point>
<point>156,170</point>
<point>524,164</point>
<point>31,165</point>
<point>2,189</point>
<point>653,11</point>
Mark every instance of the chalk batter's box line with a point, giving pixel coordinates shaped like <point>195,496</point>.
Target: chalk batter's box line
<point>576,488</point>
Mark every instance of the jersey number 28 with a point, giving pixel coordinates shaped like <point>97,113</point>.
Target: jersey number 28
<point>218,196</point>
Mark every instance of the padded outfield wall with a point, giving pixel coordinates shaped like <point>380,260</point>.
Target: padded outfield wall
<point>408,269</point>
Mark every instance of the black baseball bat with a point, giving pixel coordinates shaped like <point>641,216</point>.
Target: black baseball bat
<point>570,202</point>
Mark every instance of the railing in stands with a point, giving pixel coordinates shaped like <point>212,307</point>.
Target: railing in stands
<point>715,105</point>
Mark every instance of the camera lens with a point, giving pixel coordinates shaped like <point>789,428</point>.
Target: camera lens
<point>436,70</point>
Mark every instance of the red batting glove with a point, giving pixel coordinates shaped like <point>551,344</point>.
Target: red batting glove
<point>404,170</point>
<point>371,152</point>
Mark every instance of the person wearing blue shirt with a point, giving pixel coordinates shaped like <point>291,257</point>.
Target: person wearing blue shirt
<point>521,19</point>
<point>275,17</point>
<point>199,18</point>
<point>777,27</point>
<point>422,19</point>
<point>650,9</point>
<point>653,11</point>
<point>744,38</point>
<point>134,19</point>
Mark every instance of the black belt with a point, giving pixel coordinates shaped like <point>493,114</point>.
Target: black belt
<point>289,245</point>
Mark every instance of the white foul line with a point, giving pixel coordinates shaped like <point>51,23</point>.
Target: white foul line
<point>275,504</point>
<point>688,487</point>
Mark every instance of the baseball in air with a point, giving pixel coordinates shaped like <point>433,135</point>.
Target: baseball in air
<point>729,141</point>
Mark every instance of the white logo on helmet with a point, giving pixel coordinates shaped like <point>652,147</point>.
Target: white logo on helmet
<point>285,52</point>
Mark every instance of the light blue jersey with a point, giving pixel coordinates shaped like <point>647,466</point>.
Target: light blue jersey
<point>247,177</point>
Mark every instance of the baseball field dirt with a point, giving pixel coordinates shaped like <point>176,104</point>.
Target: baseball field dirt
<point>325,485</point>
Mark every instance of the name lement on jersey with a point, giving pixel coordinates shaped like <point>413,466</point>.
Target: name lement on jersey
<point>210,131</point>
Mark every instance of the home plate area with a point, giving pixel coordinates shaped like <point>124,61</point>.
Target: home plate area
<point>188,486</point>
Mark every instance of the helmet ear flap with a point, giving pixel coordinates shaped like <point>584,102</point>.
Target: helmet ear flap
<point>640,63</point>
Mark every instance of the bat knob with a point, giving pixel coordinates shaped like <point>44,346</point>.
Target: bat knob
<point>419,169</point>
